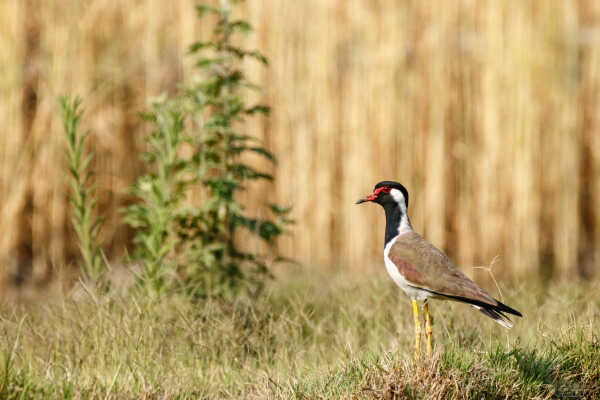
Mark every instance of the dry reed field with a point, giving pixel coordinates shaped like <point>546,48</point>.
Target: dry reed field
<point>487,111</point>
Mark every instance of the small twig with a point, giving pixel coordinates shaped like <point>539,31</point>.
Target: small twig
<point>489,270</point>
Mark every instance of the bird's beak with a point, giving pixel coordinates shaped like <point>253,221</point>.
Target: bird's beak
<point>370,197</point>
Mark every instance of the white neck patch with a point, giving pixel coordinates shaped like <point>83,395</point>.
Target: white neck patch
<point>398,197</point>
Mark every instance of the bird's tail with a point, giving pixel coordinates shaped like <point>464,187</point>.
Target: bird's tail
<point>497,311</point>
<point>496,315</point>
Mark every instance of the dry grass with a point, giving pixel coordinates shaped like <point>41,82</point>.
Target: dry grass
<point>310,336</point>
<point>486,110</point>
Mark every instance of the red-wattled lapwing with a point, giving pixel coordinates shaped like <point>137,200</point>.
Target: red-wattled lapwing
<point>422,270</point>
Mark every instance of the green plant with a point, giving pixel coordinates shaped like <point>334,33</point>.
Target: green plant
<point>83,191</point>
<point>160,193</point>
<point>219,110</point>
<point>196,244</point>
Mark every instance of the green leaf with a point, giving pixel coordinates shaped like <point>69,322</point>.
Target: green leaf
<point>147,116</point>
<point>203,9</point>
<point>241,26</point>
<point>249,223</point>
<point>279,209</point>
<point>234,77</point>
<point>242,171</point>
<point>239,53</point>
<point>207,62</point>
<point>258,109</point>
<point>263,152</point>
<point>242,138</point>
<point>258,56</point>
<point>194,47</point>
<point>268,230</point>
<point>281,259</point>
<point>258,150</point>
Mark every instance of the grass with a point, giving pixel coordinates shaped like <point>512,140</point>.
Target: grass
<point>309,336</point>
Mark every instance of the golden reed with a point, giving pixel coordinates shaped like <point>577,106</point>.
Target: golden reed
<point>487,111</point>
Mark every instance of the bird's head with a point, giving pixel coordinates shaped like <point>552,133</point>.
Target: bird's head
<point>388,193</point>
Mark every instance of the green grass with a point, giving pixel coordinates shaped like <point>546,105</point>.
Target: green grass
<point>309,336</point>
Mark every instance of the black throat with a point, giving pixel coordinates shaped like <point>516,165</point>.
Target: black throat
<point>393,217</point>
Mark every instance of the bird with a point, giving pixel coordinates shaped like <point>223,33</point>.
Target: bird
<point>422,270</point>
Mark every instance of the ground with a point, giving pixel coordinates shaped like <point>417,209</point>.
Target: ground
<point>309,335</point>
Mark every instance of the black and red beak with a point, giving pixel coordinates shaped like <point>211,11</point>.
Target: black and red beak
<point>370,197</point>
<point>375,194</point>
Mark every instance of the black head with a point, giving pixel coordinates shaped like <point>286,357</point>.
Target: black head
<point>387,192</point>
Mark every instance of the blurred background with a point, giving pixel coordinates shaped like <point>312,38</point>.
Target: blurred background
<point>487,111</point>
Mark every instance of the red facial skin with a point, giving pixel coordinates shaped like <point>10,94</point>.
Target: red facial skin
<point>375,194</point>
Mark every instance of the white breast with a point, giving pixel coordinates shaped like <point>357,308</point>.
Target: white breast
<point>413,292</point>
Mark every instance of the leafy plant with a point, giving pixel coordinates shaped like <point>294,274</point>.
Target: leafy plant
<point>83,191</point>
<point>160,193</point>
<point>196,244</point>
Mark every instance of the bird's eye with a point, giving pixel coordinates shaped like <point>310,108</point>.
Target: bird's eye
<point>382,190</point>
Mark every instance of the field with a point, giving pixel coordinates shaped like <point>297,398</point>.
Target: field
<point>486,111</point>
<point>310,336</point>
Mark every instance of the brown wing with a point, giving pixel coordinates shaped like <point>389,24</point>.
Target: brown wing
<point>425,266</point>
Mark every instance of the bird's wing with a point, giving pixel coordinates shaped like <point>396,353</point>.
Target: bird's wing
<point>425,266</point>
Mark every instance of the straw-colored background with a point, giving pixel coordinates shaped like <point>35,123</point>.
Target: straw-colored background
<point>487,111</point>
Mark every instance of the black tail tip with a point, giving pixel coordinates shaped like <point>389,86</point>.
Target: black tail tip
<point>504,308</point>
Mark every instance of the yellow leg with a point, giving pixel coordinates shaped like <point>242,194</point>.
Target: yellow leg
<point>417,329</point>
<point>428,329</point>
